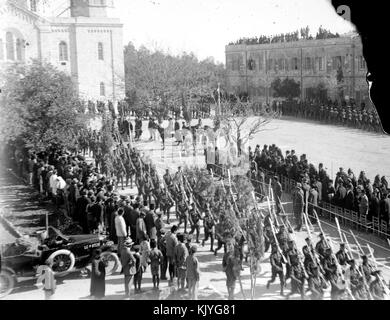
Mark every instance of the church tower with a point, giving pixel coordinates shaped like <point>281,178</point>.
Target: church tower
<point>89,8</point>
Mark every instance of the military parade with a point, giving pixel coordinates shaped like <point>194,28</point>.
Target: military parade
<point>134,170</point>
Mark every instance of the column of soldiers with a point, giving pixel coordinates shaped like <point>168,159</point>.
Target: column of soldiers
<point>346,115</point>
<point>316,268</point>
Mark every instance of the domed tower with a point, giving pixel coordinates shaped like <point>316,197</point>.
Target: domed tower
<point>89,8</point>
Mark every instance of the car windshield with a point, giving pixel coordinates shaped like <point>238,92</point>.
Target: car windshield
<point>55,234</point>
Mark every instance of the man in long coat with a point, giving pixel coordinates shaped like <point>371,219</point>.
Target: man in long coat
<point>298,206</point>
<point>98,276</point>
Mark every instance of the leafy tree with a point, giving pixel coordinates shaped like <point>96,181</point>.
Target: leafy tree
<point>39,107</point>
<point>288,88</point>
<point>318,93</point>
<point>166,82</point>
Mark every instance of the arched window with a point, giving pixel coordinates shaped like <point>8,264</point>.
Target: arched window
<point>100,51</point>
<point>63,50</point>
<point>33,5</point>
<point>102,89</point>
<point>10,46</point>
<point>19,49</point>
<point>1,50</point>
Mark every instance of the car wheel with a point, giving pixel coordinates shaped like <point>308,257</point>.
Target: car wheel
<point>7,283</point>
<point>62,261</point>
<point>112,262</point>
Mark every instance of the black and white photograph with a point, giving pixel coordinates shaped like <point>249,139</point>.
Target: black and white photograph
<point>215,150</point>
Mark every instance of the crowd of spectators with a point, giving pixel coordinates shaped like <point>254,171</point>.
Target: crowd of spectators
<point>287,37</point>
<point>347,190</point>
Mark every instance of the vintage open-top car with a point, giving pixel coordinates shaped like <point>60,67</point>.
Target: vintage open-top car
<point>22,258</point>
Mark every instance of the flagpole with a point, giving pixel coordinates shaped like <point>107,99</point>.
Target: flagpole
<point>219,99</point>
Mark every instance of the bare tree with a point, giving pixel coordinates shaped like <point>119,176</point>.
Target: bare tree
<point>242,119</point>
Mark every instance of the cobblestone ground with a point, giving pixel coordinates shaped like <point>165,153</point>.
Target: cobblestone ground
<point>212,283</point>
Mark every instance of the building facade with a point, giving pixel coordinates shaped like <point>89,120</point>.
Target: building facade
<point>76,36</point>
<point>252,68</point>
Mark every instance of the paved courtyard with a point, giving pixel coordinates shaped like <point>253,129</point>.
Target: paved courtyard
<point>320,143</point>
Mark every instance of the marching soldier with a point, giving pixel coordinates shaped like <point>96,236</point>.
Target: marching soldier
<point>194,218</point>
<point>317,284</point>
<point>330,269</point>
<point>290,252</point>
<point>356,283</point>
<point>297,277</point>
<point>209,229</point>
<point>183,214</point>
<point>276,261</point>
<point>166,203</point>
<point>341,255</point>
<point>376,288</point>
<point>366,269</point>
<point>321,247</point>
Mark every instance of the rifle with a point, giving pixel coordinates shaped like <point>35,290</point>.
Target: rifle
<point>339,229</point>
<point>339,268</point>
<point>360,274</point>
<point>257,210</point>
<point>313,256</point>
<point>384,286</point>
<point>284,213</point>
<point>277,243</point>
<point>271,213</point>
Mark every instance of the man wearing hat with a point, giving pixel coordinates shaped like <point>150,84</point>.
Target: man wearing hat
<point>141,232</point>
<point>277,189</point>
<point>329,265</point>
<point>181,254</point>
<point>341,255</point>
<point>321,246</point>
<point>355,281</point>
<point>159,224</point>
<point>282,237</point>
<point>317,284</point>
<point>193,273</point>
<point>81,210</point>
<point>291,251</point>
<point>194,218</point>
<point>366,269</point>
<point>276,261</point>
<point>209,229</point>
<point>376,289</point>
<point>162,246</point>
<point>297,277</point>
<point>171,242</point>
<point>128,265</point>
<point>298,206</point>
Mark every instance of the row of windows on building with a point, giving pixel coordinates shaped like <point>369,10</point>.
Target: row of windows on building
<point>63,51</point>
<point>15,49</point>
<point>283,64</point>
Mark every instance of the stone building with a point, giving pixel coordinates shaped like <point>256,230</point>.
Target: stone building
<point>76,36</point>
<point>252,68</point>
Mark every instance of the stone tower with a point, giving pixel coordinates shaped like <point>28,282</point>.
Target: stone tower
<point>89,8</point>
